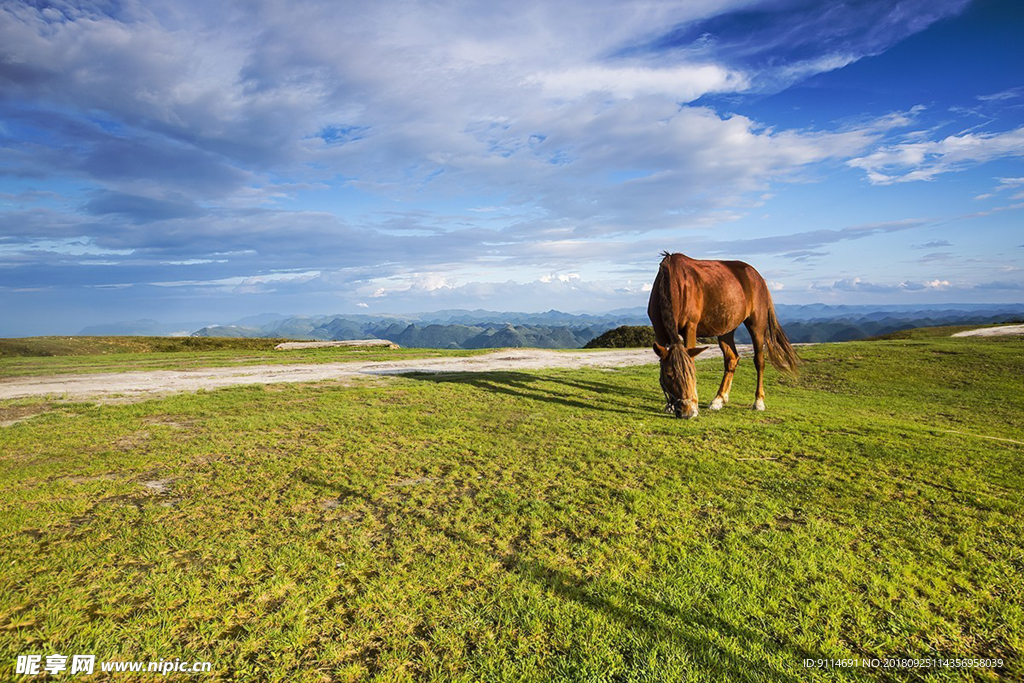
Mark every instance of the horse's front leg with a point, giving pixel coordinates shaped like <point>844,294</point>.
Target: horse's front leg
<point>732,358</point>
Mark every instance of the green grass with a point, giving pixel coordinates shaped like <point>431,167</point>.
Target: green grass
<point>73,355</point>
<point>549,526</point>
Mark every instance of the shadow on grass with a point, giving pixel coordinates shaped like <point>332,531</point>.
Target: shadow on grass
<point>552,389</point>
<point>702,638</point>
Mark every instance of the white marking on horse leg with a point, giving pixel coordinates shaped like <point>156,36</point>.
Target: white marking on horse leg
<point>759,404</point>
<point>716,404</point>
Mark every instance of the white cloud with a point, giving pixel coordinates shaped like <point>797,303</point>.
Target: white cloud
<point>857,284</point>
<point>562,277</point>
<point>682,83</point>
<point>1005,184</point>
<point>253,284</point>
<point>893,120</point>
<point>823,64</point>
<point>569,293</point>
<point>1011,94</point>
<point>912,161</point>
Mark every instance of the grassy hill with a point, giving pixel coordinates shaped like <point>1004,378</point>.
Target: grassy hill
<point>34,356</point>
<point>548,526</point>
<point>29,347</point>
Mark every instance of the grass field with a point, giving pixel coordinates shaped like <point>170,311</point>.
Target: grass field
<point>549,526</point>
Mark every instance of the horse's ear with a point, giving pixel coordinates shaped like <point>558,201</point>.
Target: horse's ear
<point>697,351</point>
<point>662,351</point>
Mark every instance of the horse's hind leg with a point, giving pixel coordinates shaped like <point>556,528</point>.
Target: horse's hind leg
<point>732,359</point>
<point>757,337</point>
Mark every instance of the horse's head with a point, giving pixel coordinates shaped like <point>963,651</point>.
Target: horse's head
<point>679,378</point>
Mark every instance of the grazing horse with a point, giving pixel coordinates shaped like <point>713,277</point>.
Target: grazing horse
<point>692,298</point>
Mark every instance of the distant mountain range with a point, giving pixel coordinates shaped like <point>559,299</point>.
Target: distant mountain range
<point>828,323</point>
<point>479,329</point>
<point>454,329</point>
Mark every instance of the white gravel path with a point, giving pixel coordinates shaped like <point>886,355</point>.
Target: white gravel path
<point>148,383</point>
<point>992,331</point>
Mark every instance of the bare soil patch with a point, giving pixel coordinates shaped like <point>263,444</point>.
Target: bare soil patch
<point>13,414</point>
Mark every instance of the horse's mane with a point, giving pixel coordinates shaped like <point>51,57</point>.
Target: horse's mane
<point>664,299</point>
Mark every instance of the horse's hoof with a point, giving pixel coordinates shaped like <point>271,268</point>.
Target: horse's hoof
<point>759,404</point>
<point>716,404</point>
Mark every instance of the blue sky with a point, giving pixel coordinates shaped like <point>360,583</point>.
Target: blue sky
<point>206,161</point>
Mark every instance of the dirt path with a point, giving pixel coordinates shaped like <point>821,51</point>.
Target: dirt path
<point>992,331</point>
<point>157,382</point>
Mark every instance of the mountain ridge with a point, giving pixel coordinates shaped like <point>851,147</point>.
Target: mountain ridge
<point>480,328</point>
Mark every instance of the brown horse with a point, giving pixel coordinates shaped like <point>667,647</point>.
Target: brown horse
<point>692,298</point>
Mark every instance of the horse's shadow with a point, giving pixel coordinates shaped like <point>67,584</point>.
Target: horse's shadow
<point>704,637</point>
<point>551,389</point>
<point>713,644</point>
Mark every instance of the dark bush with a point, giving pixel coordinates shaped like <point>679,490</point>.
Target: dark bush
<point>625,337</point>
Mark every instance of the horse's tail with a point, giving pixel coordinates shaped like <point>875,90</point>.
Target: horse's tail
<point>781,353</point>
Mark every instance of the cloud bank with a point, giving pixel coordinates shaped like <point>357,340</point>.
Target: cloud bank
<point>314,146</point>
